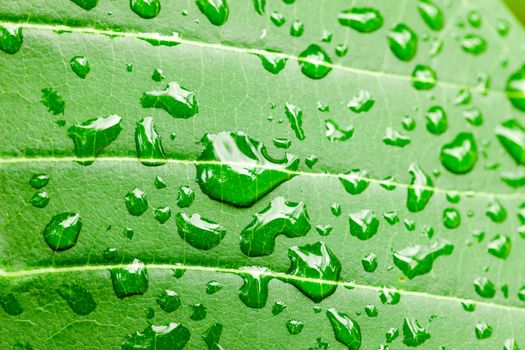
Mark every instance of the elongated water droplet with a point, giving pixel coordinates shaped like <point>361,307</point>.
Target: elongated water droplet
<point>272,61</point>
<point>62,231</point>
<point>213,287</point>
<point>420,190</point>
<point>246,172</point>
<point>295,118</point>
<point>393,138</point>
<point>314,261</point>
<point>80,65</point>
<point>413,333</point>
<point>431,14</point>
<point>500,246</point>
<point>335,133</point>
<point>145,8</point>
<point>92,136</point>
<point>315,62</point>
<point>279,217</point>
<point>11,38</point>
<point>136,202</point>
<point>216,11</point>
<point>185,197</point>
<point>419,259</point>
<point>515,88</point>
<point>130,280</point>
<point>403,42</point>
<point>436,120</point>
<point>78,298</point>
<point>361,19</point>
<point>363,224</point>
<point>39,180</point>
<point>254,290</point>
<point>53,101</point>
<point>461,154</point>
<point>362,102</point>
<point>355,181</point>
<point>168,300</point>
<point>423,77</point>
<point>199,232</point>
<point>511,134</point>
<point>172,336</point>
<point>178,101</point>
<point>473,44</point>
<point>346,330</point>
<point>495,211</point>
<point>259,6</point>
<point>484,287</point>
<point>213,334</point>
<point>148,143</point>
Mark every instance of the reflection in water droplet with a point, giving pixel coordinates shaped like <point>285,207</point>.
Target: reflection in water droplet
<point>80,65</point>
<point>92,136</point>
<point>436,120</point>
<point>148,143</point>
<point>295,118</point>
<point>314,261</point>
<point>199,232</point>
<point>178,101</point>
<point>40,199</point>
<point>355,181</point>
<point>62,231</point>
<point>473,44</point>
<point>484,287</point>
<point>499,246</point>
<point>431,14</point>
<point>346,330</point>
<point>362,102</point>
<point>403,42</point>
<point>172,336</point>
<point>168,300</point>
<point>315,62</point>
<point>418,259</point>
<point>413,333</point>
<point>363,224</point>
<point>246,172</point>
<point>11,38</point>
<point>511,134</point>
<point>78,298</point>
<point>273,61</point>
<point>423,77</point>
<point>185,197</point>
<point>393,138</point>
<point>483,331</point>
<point>254,290</point>
<point>335,133</point>
<point>361,19</point>
<point>136,202</point>
<point>294,326</point>
<point>461,154</point>
<point>216,11</point>
<point>279,217</point>
<point>130,280</point>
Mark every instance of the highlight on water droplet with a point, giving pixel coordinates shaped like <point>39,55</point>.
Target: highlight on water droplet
<point>80,66</point>
<point>130,280</point>
<point>403,42</point>
<point>148,143</point>
<point>199,232</point>
<point>216,11</point>
<point>361,19</point>
<point>419,259</point>
<point>178,101</point>
<point>62,231</point>
<point>315,62</point>
<point>11,38</point>
<point>145,8</point>
<point>346,330</point>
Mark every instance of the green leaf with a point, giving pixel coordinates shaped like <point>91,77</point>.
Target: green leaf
<point>261,175</point>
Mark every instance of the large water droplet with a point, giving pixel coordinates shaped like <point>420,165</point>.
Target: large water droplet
<point>62,231</point>
<point>78,298</point>
<point>145,8</point>
<point>254,290</point>
<point>363,224</point>
<point>199,232</point>
<point>413,333</point>
<point>216,11</point>
<point>148,143</point>
<point>168,300</point>
<point>362,19</point>
<point>436,120</point>
<point>346,330</point>
<point>136,202</point>
<point>515,88</point>
<point>418,259</point>
<point>511,134</point>
<point>11,38</point>
<point>279,217</point>
<point>178,101</point>
<point>431,14</point>
<point>80,66</point>
<point>461,154</point>
<point>420,190</point>
<point>130,280</point>
<point>295,118</point>
<point>403,42</point>
<point>185,197</point>
<point>172,336</point>
<point>355,181</point>
<point>92,136</point>
<point>272,61</point>
<point>315,62</point>
<point>473,44</point>
<point>423,77</point>
<point>246,172</point>
<point>314,261</point>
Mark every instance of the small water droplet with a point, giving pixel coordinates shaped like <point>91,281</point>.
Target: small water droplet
<point>160,183</point>
<point>482,331</point>
<point>295,118</point>
<point>363,224</point>
<point>78,298</point>
<point>278,307</point>
<point>391,217</point>
<point>213,287</point>
<point>259,6</point>
<point>315,62</point>
<point>297,28</point>
<point>499,246</point>
<point>391,335</point>
<point>451,218</point>
<point>277,18</point>
<point>408,122</point>
<point>419,259</point>
<point>185,197</point>
<point>145,8</point>
<point>362,102</point>
<point>341,50</point>
<point>423,77</point>
<point>502,26</point>
<point>11,304</point>
<point>389,296</point>
<point>473,44</point>
<point>371,311</point>
<point>80,66</point>
<point>273,61</point>
<point>148,143</point>
<point>157,75</point>
<point>361,19</point>
<point>484,287</point>
<point>198,312</point>
<point>436,120</point>
<point>394,138</point>
<point>346,330</point>
<point>168,300</point>
<point>62,231</point>
<point>162,214</point>
<point>336,210</point>
<point>473,116</point>
<point>355,181</point>
<point>39,180</point>
<point>294,326</point>
<point>40,199</point>
<point>199,232</point>
<point>136,202</point>
<point>86,4</point>
<point>461,154</point>
<point>403,42</point>
<point>369,262</point>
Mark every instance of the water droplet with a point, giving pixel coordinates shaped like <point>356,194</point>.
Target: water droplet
<point>11,304</point>
<point>521,294</point>
<point>198,312</point>
<point>408,123</point>
<point>515,88</point>
<point>86,4</point>
<point>371,311</point>
<point>403,42</point>
<point>315,62</point>
<point>149,313</point>
<point>199,232</point>
<point>294,326</point>
<point>474,18</point>
<point>389,296</point>
<point>355,181</point>
<point>391,335</point>
<point>136,202</point>
<point>410,224</point>
<point>279,217</point>
<point>160,183</point>
<point>78,298</point>
<point>335,133</point>
<point>436,47</point>
<point>391,217</point>
<point>423,77</point>
<point>369,262</point>
<point>295,118</point>
<point>130,280</point>
<point>259,6</point>
<point>341,50</point>
<point>314,261</point>
<point>431,14</point>
<point>473,116</point>
<point>346,330</point>
<point>185,197</point>
<point>213,287</point>
<point>157,75</point>
<point>451,218</point>
<point>216,11</point>
<point>363,224</point>
<point>473,44</point>
<point>468,306</point>
<point>80,66</point>
<point>484,287</point>
<point>277,19</point>
<point>245,173</point>
<point>362,19</point>
<point>168,300</point>
<point>483,331</point>
<point>92,136</point>
<point>511,134</point>
<point>148,143</point>
<point>39,180</point>
<point>40,199</point>
<point>461,154</point>
<point>436,120</point>
<point>362,102</point>
<point>110,254</point>
<point>336,209</point>
<point>510,344</point>
<point>500,246</point>
<point>495,211</point>
<point>212,336</point>
<point>281,142</point>
<point>393,138</point>
<point>62,231</point>
<point>272,61</point>
<point>420,190</point>
<point>413,333</point>
<point>502,26</point>
<point>178,101</point>
<point>162,214</point>
<point>254,290</point>
<point>53,101</point>
<point>297,28</point>
<point>388,183</point>
<point>278,307</point>
<point>419,259</point>
<point>11,38</point>
<point>173,336</point>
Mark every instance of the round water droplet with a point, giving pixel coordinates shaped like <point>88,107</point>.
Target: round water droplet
<point>213,287</point>
<point>315,62</point>
<point>451,218</point>
<point>499,246</point>
<point>403,42</point>
<point>62,231</point>
<point>473,44</point>
<point>39,180</point>
<point>461,154</point>
<point>436,120</point>
<point>185,196</point>
<point>277,18</point>
<point>423,77</point>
